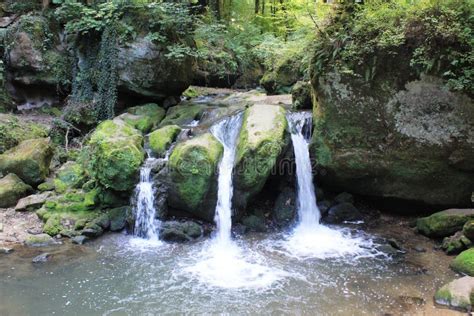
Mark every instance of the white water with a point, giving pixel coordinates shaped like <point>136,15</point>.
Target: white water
<point>222,262</point>
<point>146,225</point>
<point>310,238</point>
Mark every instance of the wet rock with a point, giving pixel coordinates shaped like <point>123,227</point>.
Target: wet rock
<point>344,197</point>
<point>29,160</point>
<point>394,243</point>
<point>457,294</point>
<point>343,212</point>
<point>445,223</point>
<point>180,231</point>
<point>464,262</point>
<point>455,244</point>
<point>468,230</point>
<point>419,248</point>
<point>183,114</point>
<point>5,250</point>
<point>40,240</point>
<point>12,189</point>
<point>161,139</point>
<point>79,240</point>
<point>32,202</point>
<point>324,207</point>
<point>42,258</point>
<point>301,96</point>
<point>192,171</point>
<point>93,231</point>
<point>262,141</point>
<point>118,218</point>
<point>284,210</point>
<point>116,155</point>
<point>254,223</point>
<point>144,117</point>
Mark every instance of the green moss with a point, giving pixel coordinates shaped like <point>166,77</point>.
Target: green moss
<point>444,223</point>
<point>183,114</point>
<point>69,176</point>
<point>13,131</point>
<point>115,155</point>
<point>191,92</point>
<point>144,117</point>
<point>262,140</point>
<point>161,139</point>
<point>464,262</point>
<point>12,189</point>
<point>193,165</point>
<point>29,160</point>
<point>46,186</point>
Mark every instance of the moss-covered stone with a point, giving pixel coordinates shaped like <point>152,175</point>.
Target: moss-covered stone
<point>118,218</point>
<point>286,73</point>
<point>12,189</point>
<point>116,154</point>
<point>301,96</point>
<point>46,186</point>
<point>161,139</point>
<point>70,176</point>
<point>468,230</point>
<point>445,223</point>
<point>464,262</point>
<point>193,166</point>
<point>455,244</point>
<point>262,140</point>
<point>40,240</point>
<point>144,117</point>
<point>191,92</point>
<point>29,160</point>
<point>14,130</point>
<point>456,294</point>
<point>183,114</point>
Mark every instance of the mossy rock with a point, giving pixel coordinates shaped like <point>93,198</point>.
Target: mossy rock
<point>193,165</point>
<point>161,139</point>
<point>118,218</point>
<point>455,244</point>
<point>116,154</point>
<point>12,189</point>
<point>464,262</point>
<point>29,160</point>
<point>262,141</point>
<point>144,117</point>
<point>457,294</point>
<point>70,176</point>
<point>468,230</point>
<point>40,240</point>
<point>183,114</point>
<point>191,92</point>
<point>301,96</point>
<point>445,223</point>
<point>13,131</point>
<point>46,186</point>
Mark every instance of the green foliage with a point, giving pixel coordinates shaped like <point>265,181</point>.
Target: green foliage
<point>436,36</point>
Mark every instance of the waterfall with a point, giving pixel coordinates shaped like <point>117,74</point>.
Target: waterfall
<point>226,132</point>
<point>309,238</point>
<point>300,127</point>
<point>146,226</point>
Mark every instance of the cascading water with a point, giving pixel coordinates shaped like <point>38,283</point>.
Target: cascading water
<point>310,238</point>
<point>146,225</point>
<point>223,263</point>
<point>226,132</point>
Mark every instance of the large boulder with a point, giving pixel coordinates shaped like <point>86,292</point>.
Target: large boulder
<point>183,114</point>
<point>457,294</point>
<point>445,223</point>
<point>144,117</point>
<point>33,202</point>
<point>180,231</point>
<point>34,54</point>
<point>116,154</point>
<point>161,139</point>
<point>145,70</point>
<point>193,179</point>
<point>29,160</point>
<point>464,262</point>
<point>395,136</point>
<point>14,130</point>
<point>262,141</point>
<point>12,189</point>
<point>71,175</point>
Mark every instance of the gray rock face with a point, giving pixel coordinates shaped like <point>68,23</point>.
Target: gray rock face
<point>144,70</point>
<point>32,202</point>
<point>395,137</point>
<point>284,210</point>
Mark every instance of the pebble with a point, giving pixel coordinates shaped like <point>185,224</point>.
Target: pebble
<point>42,258</point>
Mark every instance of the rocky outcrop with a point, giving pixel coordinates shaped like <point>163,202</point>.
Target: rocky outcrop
<point>161,139</point>
<point>457,294</point>
<point>262,141</point>
<point>144,70</point>
<point>116,154</point>
<point>29,160</point>
<point>192,175</point>
<point>301,96</point>
<point>12,189</point>
<point>445,223</point>
<point>394,137</point>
